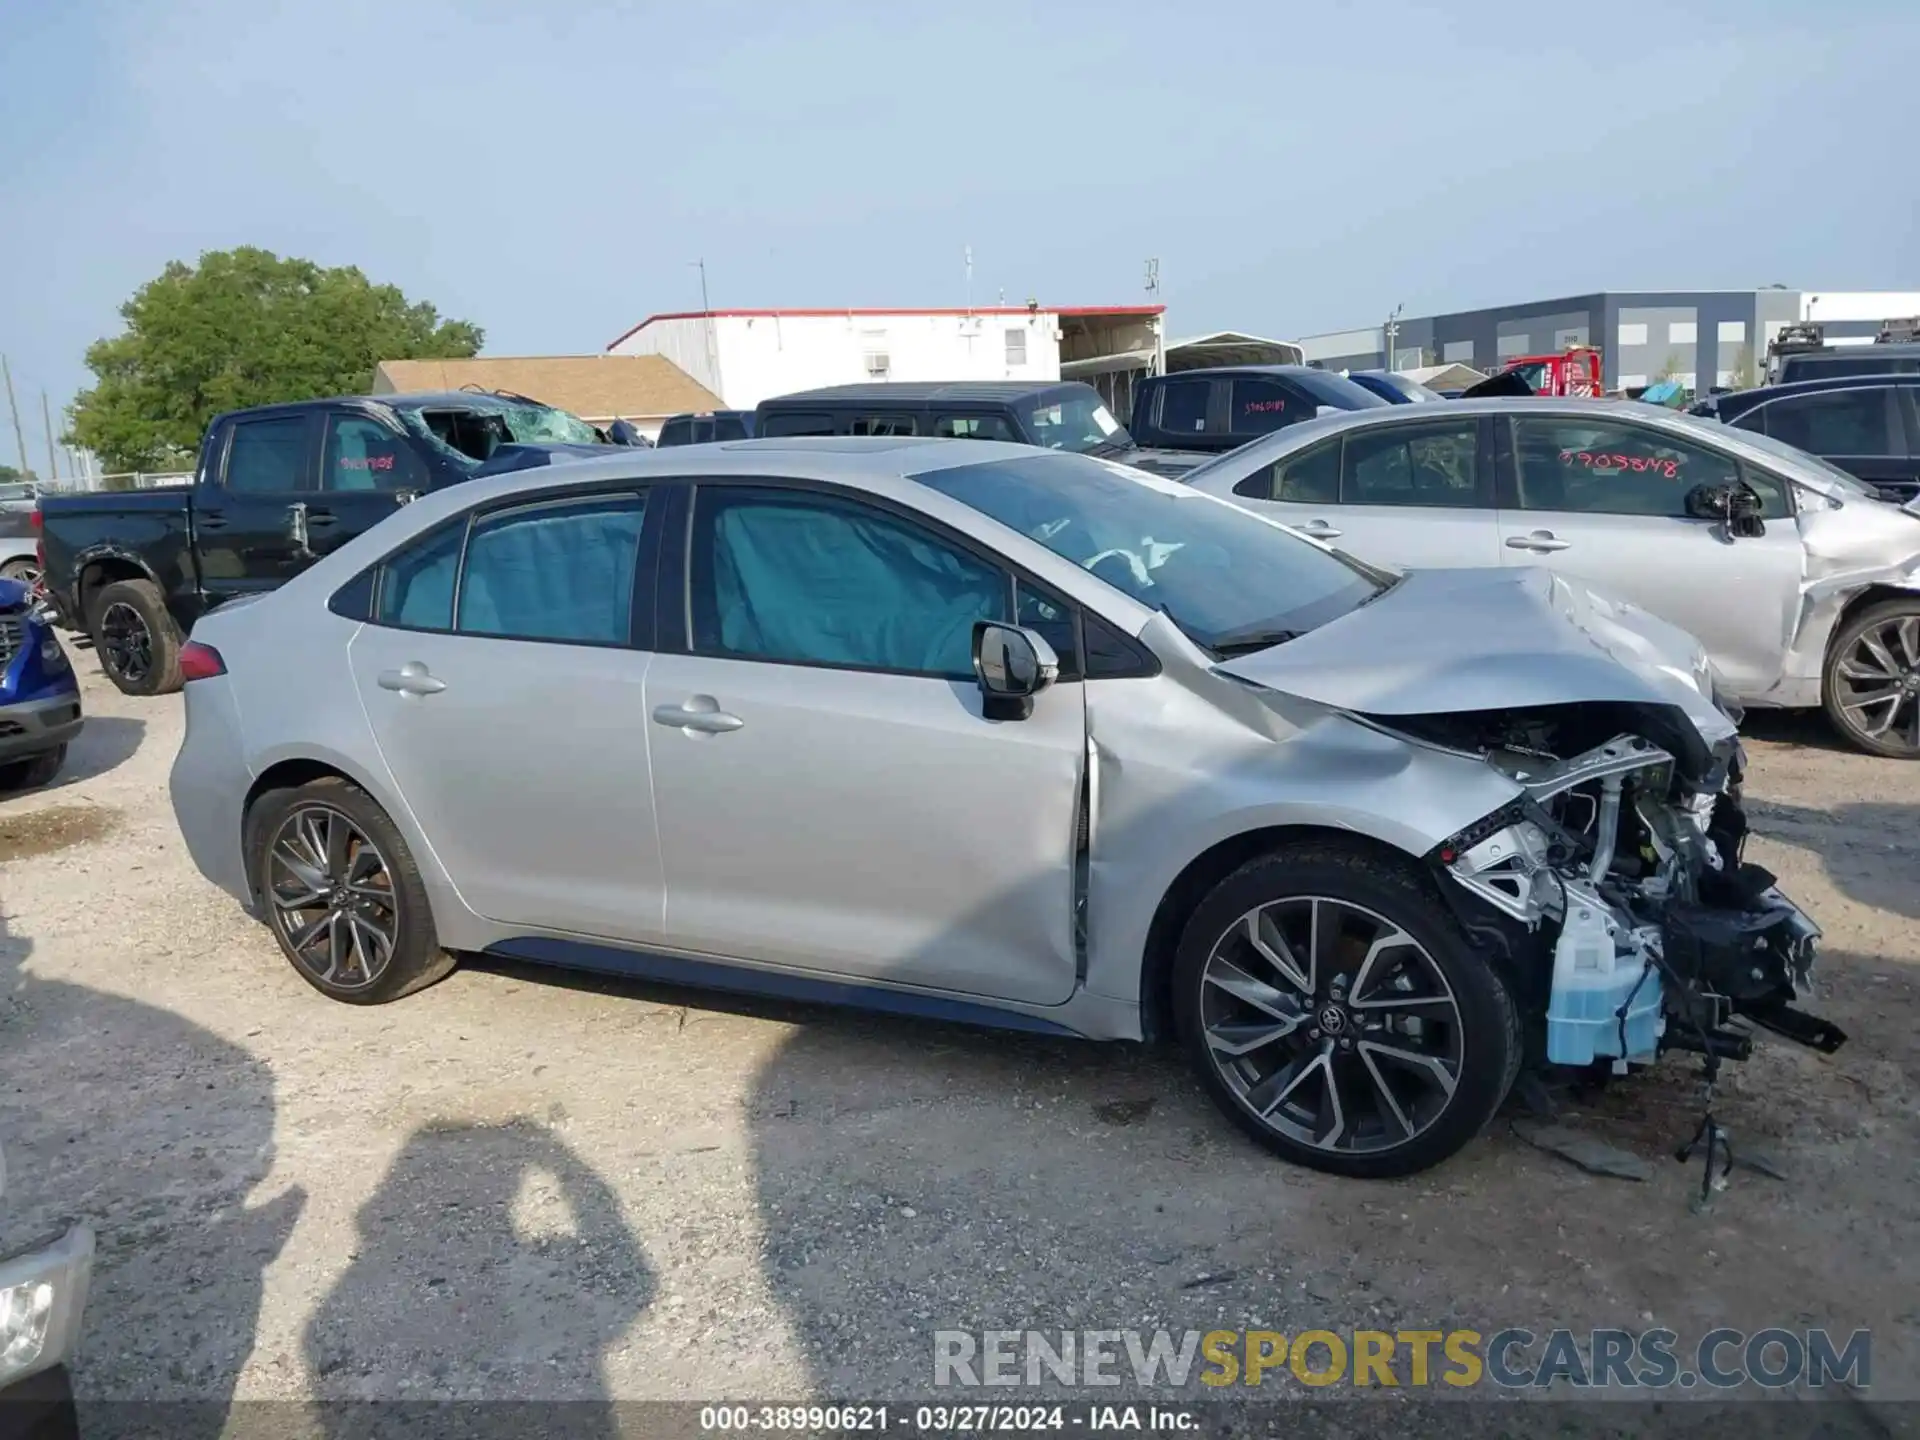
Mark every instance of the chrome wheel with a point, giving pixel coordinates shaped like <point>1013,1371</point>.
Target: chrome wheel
<point>27,572</point>
<point>332,898</point>
<point>126,643</point>
<point>1878,682</point>
<point>1331,1025</point>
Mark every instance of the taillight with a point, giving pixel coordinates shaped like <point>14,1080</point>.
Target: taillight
<point>200,662</point>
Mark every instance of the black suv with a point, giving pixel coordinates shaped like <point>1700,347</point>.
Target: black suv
<point>1868,425</point>
<point>1835,361</point>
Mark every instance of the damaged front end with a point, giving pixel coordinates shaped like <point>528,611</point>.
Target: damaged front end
<point>1616,884</point>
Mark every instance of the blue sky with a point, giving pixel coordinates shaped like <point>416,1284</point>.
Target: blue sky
<point>1296,167</point>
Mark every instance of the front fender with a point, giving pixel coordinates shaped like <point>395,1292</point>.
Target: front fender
<point>1174,780</point>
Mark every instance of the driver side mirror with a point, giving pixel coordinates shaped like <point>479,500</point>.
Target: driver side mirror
<point>1737,506</point>
<point>1012,665</point>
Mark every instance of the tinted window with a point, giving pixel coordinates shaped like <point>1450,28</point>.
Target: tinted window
<point>813,579</point>
<point>416,586</point>
<point>894,424</point>
<point>268,456</point>
<point>1078,421</point>
<point>1813,367</point>
<point>1336,391</point>
<point>562,571</point>
<point>729,427</point>
<point>1258,406</point>
<point>1839,422</point>
<point>975,427</point>
<point>362,454</point>
<point>796,422</point>
<point>1224,576</point>
<point>1607,468</point>
<point>1183,406</point>
<point>677,431</point>
<point>1413,465</point>
<point>1050,617</point>
<point>1311,477</point>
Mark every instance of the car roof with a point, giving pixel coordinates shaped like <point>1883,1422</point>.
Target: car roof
<point>922,392</point>
<point>412,400</point>
<point>1903,348</point>
<point>1739,401</point>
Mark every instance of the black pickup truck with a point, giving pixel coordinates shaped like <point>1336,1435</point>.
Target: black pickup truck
<point>1215,410</point>
<point>275,489</point>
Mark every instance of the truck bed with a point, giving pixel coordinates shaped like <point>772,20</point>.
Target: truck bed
<point>154,525</point>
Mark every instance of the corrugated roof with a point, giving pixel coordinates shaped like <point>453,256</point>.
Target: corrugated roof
<point>594,387</point>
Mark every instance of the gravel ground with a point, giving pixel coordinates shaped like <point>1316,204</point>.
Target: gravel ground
<point>525,1184</point>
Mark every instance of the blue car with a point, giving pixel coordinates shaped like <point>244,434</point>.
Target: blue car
<point>39,695</point>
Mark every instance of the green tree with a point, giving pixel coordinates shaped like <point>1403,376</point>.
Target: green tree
<point>243,327</point>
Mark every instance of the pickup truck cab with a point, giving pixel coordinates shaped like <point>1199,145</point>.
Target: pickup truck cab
<point>706,428</point>
<point>275,489</point>
<point>1208,412</point>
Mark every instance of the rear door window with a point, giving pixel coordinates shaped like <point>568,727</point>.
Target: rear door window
<point>895,423</point>
<point>729,427</point>
<point>1860,422</point>
<point>975,427</point>
<point>1434,464</point>
<point>1183,406</point>
<point>797,422</point>
<point>563,570</point>
<point>270,456</point>
<point>677,431</point>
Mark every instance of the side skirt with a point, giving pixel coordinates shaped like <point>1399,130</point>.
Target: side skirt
<point>781,985</point>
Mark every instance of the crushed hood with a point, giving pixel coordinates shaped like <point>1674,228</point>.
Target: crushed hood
<point>1447,641</point>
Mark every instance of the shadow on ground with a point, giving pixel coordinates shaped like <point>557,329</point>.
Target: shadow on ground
<point>157,1132</point>
<point>1871,849</point>
<point>105,743</point>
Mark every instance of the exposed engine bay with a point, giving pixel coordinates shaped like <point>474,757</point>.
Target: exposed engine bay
<point>1618,878</point>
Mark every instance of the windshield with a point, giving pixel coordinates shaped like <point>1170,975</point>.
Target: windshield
<point>1230,580</point>
<point>1535,375</point>
<point>1076,422</point>
<point>1337,391</point>
<point>473,433</point>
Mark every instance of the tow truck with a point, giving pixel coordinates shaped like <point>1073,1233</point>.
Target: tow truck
<point>1574,372</point>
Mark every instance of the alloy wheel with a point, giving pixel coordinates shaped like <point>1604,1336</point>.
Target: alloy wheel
<point>332,898</point>
<point>126,642</point>
<point>1880,682</point>
<point>1331,1025</point>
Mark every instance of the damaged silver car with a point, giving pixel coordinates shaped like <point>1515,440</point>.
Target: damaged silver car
<point>979,733</point>
<point>1802,582</point>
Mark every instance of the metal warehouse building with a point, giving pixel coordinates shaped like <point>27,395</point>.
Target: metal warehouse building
<point>1702,338</point>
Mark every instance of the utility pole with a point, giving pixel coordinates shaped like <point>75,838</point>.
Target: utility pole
<point>53,456</point>
<point>706,323</point>
<point>1159,321</point>
<point>19,435</point>
<point>969,282</point>
<point>1391,332</point>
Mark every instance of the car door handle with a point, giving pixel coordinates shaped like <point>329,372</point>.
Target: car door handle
<point>1538,540</point>
<point>700,715</point>
<point>1319,530</point>
<point>212,521</point>
<point>321,517</point>
<point>411,679</point>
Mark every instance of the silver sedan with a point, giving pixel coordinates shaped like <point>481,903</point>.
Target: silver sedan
<point>982,733</point>
<point>1803,584</point>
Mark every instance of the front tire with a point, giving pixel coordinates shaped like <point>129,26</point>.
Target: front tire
<point>1334,1010</point>
<point>32,772</point>
<point>26,571</point>
<point>1871,688</point>
<point>135,638</point>
<point>342,894</point>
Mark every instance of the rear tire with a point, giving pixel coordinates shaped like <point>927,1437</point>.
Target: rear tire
<point>341,893</point>
<point>135,638</point>
<point>1876,652</point>
<point>32,772</point>
<point>1335,1011</point>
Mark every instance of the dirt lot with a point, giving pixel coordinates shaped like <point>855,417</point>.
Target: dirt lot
<point>523,1184</point>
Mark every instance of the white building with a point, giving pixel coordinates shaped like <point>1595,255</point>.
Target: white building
<point>746,356</point>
